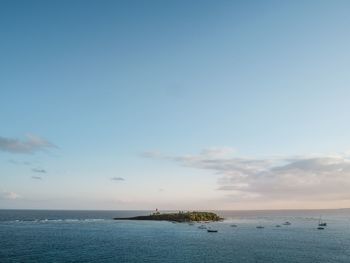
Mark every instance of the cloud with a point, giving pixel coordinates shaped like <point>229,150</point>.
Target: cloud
<point>36,170</point>
<point>37,177</point>
<point>151,154</point>
<point>19,162</point>
<point>314,178</point>
<point>29,145</point>
<point>222,152</point>
<point>8,195</point>
<point>117,179</point>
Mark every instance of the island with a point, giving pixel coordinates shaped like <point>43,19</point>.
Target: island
<point>193,216</point>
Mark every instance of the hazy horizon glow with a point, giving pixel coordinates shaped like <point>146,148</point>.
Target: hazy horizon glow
<point>174,105</point>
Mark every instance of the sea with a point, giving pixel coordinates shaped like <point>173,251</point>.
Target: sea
<point>93,236</point>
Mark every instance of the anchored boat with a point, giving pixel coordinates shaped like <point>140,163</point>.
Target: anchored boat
<point>321,223</point>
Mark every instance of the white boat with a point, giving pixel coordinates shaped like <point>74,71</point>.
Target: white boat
<point>287,223</point>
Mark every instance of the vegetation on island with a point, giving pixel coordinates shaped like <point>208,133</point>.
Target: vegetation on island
<point>178,217</point>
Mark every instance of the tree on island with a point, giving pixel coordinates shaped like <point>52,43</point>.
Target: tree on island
<point>178,217</point>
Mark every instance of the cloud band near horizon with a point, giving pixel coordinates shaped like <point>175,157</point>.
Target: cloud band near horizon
<point>313,178</point>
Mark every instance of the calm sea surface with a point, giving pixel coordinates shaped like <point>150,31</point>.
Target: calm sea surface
<point>92,236</point>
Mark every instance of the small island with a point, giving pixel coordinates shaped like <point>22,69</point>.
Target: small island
<point>178,217</point>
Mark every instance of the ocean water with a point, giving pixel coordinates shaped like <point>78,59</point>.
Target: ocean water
<point>92,236</point>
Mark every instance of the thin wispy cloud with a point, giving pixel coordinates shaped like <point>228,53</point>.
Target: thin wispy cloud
<point>29,145</point>
<point>151,154</point>
<point>37,170</point>
<point>9,195</point>
<point>19,162</point>
<point>323,177</point>
<point>117,179</point>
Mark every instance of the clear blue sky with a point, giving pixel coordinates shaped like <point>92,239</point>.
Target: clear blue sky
<point>106,81</point>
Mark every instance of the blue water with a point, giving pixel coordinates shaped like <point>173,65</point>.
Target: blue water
<point>91,236</point>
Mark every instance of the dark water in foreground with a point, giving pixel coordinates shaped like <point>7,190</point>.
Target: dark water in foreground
<point>91,236</point>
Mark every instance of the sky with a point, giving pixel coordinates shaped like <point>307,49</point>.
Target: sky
<point>174,104</point>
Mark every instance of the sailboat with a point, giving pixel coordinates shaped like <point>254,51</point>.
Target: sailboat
<point>321,223</point>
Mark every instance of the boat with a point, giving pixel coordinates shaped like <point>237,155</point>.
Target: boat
<point>233,225</point>
<point>260,227</point>
<point>212,230</point>
<point>320,228</point>
<point>287,223</point>
<point>321,223</point>
<point>278,225</point>
<point>191,224</point>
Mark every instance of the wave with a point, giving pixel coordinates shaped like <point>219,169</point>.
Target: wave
<point>48,220</point>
